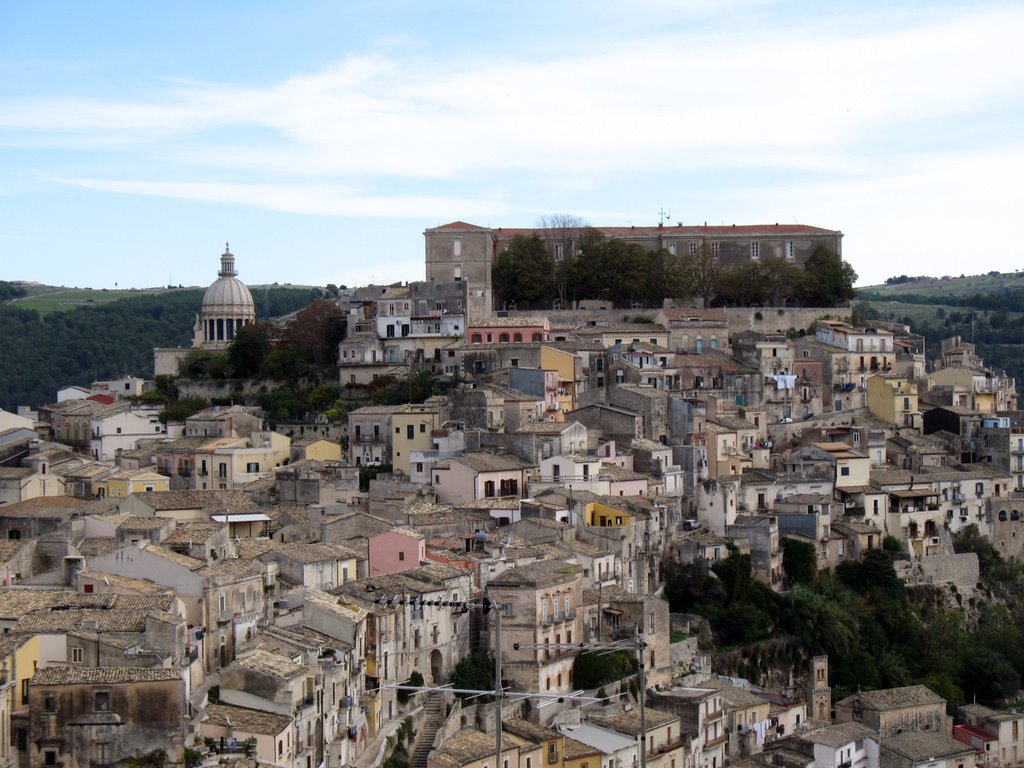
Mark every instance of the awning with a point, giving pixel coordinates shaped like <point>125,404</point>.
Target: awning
<point>255,517</point>
<point>612,611</point>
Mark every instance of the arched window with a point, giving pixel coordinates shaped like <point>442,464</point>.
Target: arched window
<point>517,337</point>
<point>503,338</point>
<point>476,338</point>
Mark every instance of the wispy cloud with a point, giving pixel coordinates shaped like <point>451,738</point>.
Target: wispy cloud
<point>314,199</point>
<point>753,99</point>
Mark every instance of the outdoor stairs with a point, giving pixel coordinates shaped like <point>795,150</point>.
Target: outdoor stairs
<point>434,715</point>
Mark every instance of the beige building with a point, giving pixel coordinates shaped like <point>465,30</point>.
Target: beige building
<point>541,602</point>
<point>895,710</point>
<point>89,716</point>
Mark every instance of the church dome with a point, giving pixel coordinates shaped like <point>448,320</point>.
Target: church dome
<point>228,294</point>
<point>227,308</point>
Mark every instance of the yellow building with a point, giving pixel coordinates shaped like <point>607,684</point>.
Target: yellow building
<point>567,366</point>
<point>603,516</point>
<point>128,481</point>
<point>893,398</point>
<point>412,430</point>
<point>315,449</point>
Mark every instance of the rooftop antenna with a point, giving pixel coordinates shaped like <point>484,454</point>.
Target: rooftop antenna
<point>662,215</point>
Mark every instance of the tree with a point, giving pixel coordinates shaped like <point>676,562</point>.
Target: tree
<point>799,561</point>
<point>833,279</point>
<point>593,669</point>
<point>702,271</point>
<point>249,349</point>
<point>524,272</point>
<point>563,233</point>
<point>315,333</point>
<point>474,672</point>
<point>623,271</point>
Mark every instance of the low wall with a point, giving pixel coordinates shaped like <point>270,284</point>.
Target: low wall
<point>780,319</point>
<point>960,570</point>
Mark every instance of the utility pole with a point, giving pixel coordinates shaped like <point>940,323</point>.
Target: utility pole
<point>637,643</point>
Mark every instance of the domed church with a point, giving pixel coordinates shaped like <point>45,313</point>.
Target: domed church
<point>227,307</point>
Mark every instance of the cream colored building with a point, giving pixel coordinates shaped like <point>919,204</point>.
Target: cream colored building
<point>231,462</point>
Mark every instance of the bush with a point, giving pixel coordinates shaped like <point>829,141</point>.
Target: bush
<point>592,670</point>
<point>475,673</point>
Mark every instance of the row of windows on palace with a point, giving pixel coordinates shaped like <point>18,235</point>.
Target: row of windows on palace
<point>671,247</point>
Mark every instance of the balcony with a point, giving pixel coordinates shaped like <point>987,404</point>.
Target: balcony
<point>716,742</point>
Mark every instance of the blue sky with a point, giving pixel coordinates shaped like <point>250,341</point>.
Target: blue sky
<point>322,138</point>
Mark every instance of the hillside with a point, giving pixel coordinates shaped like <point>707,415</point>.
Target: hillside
<point>983,309</point>
<point>78,337</point>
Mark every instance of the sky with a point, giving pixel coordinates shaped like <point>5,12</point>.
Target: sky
<point>321,138</point>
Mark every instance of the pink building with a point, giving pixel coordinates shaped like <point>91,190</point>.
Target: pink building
<point>480,476</point>
<point>508,330</point>
<point>396,550</point>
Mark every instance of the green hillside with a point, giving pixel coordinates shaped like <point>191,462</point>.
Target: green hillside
<point>80,337</point>
<point>984,309</point>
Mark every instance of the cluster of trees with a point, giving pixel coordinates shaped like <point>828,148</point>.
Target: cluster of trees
<point>10,291</point>
<point>596,267</point>
<point>306,347</point>
<point>86,344</point>
<point>876,633</point>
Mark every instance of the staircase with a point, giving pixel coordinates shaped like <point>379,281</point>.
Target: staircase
<point>434,714</point>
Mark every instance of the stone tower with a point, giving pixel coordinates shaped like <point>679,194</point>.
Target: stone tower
<point>819,693</point>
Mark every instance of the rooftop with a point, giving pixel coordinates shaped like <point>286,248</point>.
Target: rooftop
<point>104,675</point>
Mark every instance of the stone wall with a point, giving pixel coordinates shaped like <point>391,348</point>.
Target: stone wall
<point>960,570</point>
<point>780,319</point>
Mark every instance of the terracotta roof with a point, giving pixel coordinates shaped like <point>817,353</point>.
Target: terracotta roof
<point>895,698</point>
<point>271,664</point>
<point>104,675</point>
<point>247,720</point>
<point>537,574</point>
<point>194,533</point>
<point>924,746</point>
<point>51,621</point>
<point>470,745</point>
<point>629,722</point>
<point>41,506</point>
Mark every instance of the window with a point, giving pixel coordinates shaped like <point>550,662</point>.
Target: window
<point>252,467</point>
<point>693,249</point>
<point>50,757</point>
<point>503,338</point>
<point>410,431</point>
<point>714,250</point>
<point>77,655</point>
<point>222,470</point>
<point>517,337</point>
<point>844,471</point>
<point>755,251</point>
<point>558,251</point>
<point>101,701</point>
<point>789,250</point>
<point>456,247</point>
<point>401,556</point>
<point>553,746</point>
<point>49,702</point>
<point>671,250</point>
